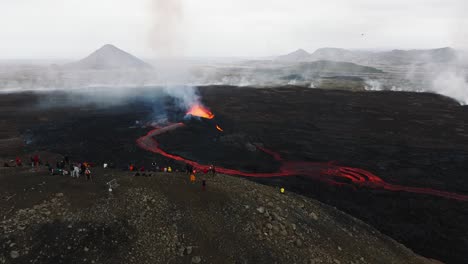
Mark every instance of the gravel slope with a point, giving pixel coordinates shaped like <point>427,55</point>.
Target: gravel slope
<point>166,219</point>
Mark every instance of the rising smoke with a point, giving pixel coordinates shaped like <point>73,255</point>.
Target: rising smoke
<point>168,41</point>
<point>167,38</point>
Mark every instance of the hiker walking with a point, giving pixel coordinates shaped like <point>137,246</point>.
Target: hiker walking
<point>203,185</point>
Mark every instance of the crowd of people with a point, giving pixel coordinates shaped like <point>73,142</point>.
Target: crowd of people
<point>62,167</point>
<point>75,169</point>
<point>83,169</point>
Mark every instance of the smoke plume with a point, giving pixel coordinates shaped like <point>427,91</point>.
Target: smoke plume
<point>167,34</point>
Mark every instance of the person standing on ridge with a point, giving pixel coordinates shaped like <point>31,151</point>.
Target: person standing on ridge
<point>192,177</point>
<point>19,163</point>
<point>88,174</point>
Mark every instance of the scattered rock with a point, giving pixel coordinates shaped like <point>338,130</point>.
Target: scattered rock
<point>181,251</point>
<point>59,195</point>
<point>86,249</point>
<point>313,215</point>
<point>276,229</point>
<point>269,226</point>
<point>189,250</point>
<point>336,261</point>
<point>276,217</point>
<point>315,261</point>
<point>14,254</point>
<point>299,243</point>
<point>250,147</point>
<point>196,259</point>
<point>261,209</point>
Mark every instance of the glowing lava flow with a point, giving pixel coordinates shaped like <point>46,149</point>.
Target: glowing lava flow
<point>326,172</point>
<point>200,111</point>
<point>219,128</point>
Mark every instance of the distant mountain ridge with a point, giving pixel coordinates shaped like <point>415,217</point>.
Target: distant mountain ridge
<point>109,57</point>
<point>440,55</point>
<point>295,56</point>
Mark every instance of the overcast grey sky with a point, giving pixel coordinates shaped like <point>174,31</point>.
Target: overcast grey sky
<point>74,28</point>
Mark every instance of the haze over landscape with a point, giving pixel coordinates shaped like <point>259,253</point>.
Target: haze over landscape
<point>50,29</point>
<point>36,50</point>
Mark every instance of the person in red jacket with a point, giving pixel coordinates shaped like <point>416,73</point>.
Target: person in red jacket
<point>19,163</point>
<point>36,160</point>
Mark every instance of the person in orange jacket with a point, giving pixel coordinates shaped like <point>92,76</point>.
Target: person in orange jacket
<point>192,177</point>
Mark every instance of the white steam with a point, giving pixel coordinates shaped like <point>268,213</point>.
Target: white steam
<point>373,85</point>
<point>452,84</point>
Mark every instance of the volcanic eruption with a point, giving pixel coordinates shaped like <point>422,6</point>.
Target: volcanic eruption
<point>200,111</point>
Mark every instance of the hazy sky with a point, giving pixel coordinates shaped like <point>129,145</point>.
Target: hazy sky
<point>74,28</point>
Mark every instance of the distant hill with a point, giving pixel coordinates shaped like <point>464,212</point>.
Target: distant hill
<point>296,56</point>
<point>109,57</point>
<point>407,56</point>
<point>336,54</point>
<point>441,55</point>
<point>316,67</point>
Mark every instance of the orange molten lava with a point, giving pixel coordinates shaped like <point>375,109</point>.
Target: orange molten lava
<point>200,111</point>
<point>219,128</point>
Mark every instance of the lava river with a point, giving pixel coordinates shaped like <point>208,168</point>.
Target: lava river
<point>327,172</point>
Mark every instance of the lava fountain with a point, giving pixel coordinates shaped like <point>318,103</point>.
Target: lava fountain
<point>200,111</point>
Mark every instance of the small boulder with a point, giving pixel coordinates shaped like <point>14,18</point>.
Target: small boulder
<point>261,209</point>
<point>313,216</point>
<point>299,243</point>
<point>14,254</point>
<point>196,259</point>
<point>189,250</point>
